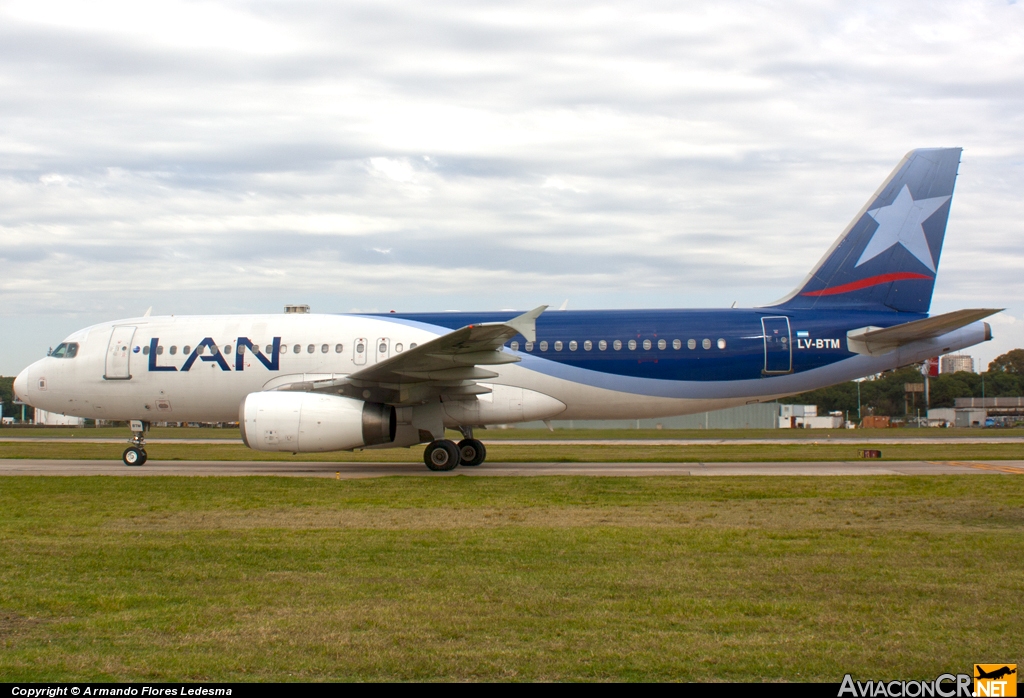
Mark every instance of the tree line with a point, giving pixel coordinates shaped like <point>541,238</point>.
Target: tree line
<point>884,394</point>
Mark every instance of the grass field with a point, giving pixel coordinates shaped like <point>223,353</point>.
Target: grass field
<point>508,579</point>
<point>565,453</point>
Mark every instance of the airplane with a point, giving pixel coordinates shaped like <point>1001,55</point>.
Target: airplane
<point>995,673</point>
<point>303,382</point>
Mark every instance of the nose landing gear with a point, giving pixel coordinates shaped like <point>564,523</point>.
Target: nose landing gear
<point>135,454</point>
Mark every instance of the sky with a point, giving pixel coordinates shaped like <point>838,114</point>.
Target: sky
<point>234,157</point>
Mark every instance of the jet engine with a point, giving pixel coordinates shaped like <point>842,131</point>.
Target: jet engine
<point>311,422</point>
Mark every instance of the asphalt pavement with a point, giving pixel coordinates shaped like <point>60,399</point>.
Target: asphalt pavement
<point>365,470</point>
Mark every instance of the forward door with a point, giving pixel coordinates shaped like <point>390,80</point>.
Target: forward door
<point>119,352</point>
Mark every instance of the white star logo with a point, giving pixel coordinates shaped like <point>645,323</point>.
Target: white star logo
<point>899,223</point>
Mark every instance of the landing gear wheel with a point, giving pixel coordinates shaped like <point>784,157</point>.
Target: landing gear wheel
<point>472,452</point>
<point>145,456</point>
<point>441,455</point>
<point>134,456</point>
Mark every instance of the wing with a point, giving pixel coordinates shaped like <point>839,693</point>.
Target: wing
<point>449,365</point>
<point>874,341</point>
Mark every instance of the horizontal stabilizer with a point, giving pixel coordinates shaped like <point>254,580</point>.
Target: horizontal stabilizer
<point>874,341</point>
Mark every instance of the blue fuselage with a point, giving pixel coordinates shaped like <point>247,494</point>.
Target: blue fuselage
<point>698,345</point>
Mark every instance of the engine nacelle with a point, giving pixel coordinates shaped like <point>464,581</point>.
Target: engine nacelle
<point>310,422</point>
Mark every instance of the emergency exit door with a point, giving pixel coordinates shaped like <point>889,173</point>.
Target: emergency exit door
<point>383,348</point>
<point>119,352</point>
<point>778,349</point>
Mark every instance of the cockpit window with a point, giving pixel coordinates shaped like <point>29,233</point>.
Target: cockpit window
<point>65,350</point>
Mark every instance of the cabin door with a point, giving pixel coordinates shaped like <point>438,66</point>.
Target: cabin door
<point>778,349</point>
<point>119,352</point>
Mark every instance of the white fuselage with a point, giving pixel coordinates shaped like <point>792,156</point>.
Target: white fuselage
<point>115,376</point>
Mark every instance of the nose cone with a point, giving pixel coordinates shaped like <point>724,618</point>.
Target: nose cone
<point>21,386</point>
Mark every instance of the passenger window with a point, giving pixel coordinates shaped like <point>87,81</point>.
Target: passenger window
<point>529,346</point>
<point>691,344</point>
<point>240,349</point>
<point>324,348</point>
<point>145,350</point>
<point>676,344</point>
<point>514,346</point>
<point>632,344</point>
<point>413,345</point>
<point>227,349</point>
<point>558,346</point>
<point>588,345</point>
<point>706,343</point>
<point>186,349</point>
<point>617,344</point>
<point>174,350</point>
<point>721,344</point>
<point>399,348</point>
<point>647,344</point>
<point>297,349</point>
<point>602,345</point>
<point>573,345</point>
<point>159,350</point>
<point>270,349</point>
<point>662,344</point>
<point>543,346</point>
<point>310,349</point>
<point>338,348</point>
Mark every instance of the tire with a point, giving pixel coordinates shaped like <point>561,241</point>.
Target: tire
<point>471,452</point>
<point>145,457</point>
<point>441,455</point>
<point>133,456</point>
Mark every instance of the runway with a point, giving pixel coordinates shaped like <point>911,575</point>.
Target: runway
<point>367,470</point>
<point>913,440</point>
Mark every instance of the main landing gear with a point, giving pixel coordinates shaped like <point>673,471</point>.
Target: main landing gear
<point>444,454</point>
<point>136,453</point>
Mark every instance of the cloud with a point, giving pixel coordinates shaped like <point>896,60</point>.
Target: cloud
<point>209,156</point>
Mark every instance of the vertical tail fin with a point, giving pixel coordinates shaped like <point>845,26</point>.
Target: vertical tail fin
<point>888,256</point>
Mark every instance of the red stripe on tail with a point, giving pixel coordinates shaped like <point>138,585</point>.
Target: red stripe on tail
<point>867,283</point>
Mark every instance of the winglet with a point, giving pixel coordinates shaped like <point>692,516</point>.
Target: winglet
<point>526,324</point>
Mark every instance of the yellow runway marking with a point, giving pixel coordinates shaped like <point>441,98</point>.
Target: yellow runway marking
<point>983,466</point>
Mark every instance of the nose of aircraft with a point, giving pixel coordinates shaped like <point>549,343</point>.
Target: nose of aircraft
<point>20,386</point>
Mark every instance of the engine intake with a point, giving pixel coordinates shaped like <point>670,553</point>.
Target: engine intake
<point>312,423</point>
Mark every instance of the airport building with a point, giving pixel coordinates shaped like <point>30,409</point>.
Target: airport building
<point>767,415</point>
<point>980,412</point>
<point>55,419</point>
<point>952,363</point>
